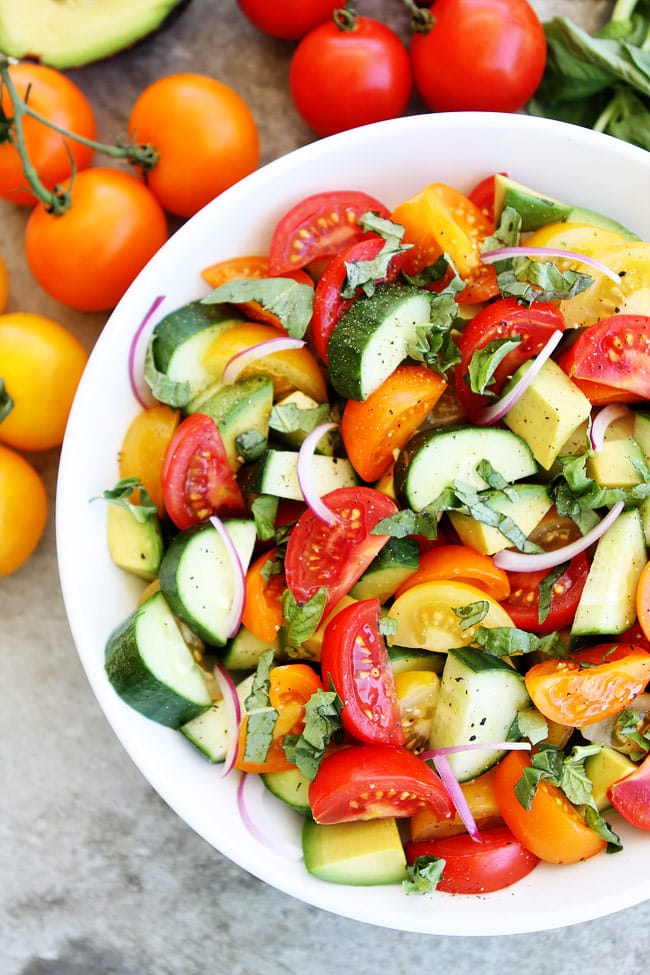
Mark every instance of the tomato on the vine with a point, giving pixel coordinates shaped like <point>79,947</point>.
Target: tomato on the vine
<point>374,782</point>
<point>503,319</point>
<point>479,55</point>
<point>87,256</point>
<point>41,363</point>
<point>23,510</point>
<point>197,478</point>
<point>349,71</point>
<point>287,19</point>
<point>522,605</point>
<point>54,96</point>
<point>205,136</point>
<point>355,660</point>
<point>318,227</point>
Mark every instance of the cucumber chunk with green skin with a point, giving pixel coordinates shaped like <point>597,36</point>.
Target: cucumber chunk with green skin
<point>197,579</point>
<point>209,731</point>
<point>433,459</point>
<point>277,474</point>
<point>244,650</point>
<point>480,696</point>
<point>238,408</point>
<point>180,340</point>
<point>373,337</point>
<point>291,787</point>
<point>398,559</point>
<point>607,604</point>
<point>362,854</point>
<point>404,659</point>
<point>151,667</point>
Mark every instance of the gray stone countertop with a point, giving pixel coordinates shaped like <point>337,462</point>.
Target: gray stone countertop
<point>97,875</point>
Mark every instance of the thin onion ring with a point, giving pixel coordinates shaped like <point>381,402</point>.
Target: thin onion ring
<point>251,793</point>
<point>137,349</point>
<point>602,420</point>
<point>305,473</point>
<point>235,366</point>
<point>456,794</point>
<point>496,411</point>
<point>232,707</point>
<point>504,253</point>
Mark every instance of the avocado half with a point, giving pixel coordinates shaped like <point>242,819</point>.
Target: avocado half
<point>68,34</point>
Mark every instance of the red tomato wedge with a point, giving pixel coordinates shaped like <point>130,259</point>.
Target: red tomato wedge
<point>522,605</point>
<point>497,860</point>
<point>335,556</point>
<point>355,659</point>
<point>615,354</point>
<point>320,226</point>
<point>255,268</point>
<point>197,479</point>
<point>631,796</point>
<point>375,782</point>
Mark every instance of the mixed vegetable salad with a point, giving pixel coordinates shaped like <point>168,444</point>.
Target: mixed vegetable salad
<point>388,492</point>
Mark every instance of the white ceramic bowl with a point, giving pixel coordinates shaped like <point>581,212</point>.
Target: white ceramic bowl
<point>391,160</point>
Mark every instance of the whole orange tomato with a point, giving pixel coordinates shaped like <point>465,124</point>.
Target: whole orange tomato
<point>205,135</point>
<point>62,103</point>
<point>41,364</point>
<point>23,510</point>
<point>88,256</point>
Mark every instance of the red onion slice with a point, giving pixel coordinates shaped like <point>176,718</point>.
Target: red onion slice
<point>496,411</point>
<point>306,474</point>
<point>237,607</point>
<point>251,797</point>
<point>504,253</point>
<point>233,714</point>
<point>523,562</point>
<point>501,746</point>
<point>601,422</point>
<point>137,351</point>
<point>235,366</point>
<point>456,795</point>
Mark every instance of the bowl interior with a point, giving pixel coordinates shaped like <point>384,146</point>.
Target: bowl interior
<point>390,160</point>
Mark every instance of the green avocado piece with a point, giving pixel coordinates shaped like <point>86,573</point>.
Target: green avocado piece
<point>135,546</point>
<point>362,853</point>
<point>68,34</point>
<point>603,769</point>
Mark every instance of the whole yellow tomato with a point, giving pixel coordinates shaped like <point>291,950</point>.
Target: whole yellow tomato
<point>23,510</point>
<point>41,363</point>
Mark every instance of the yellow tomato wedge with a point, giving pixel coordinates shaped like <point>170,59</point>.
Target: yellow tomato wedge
<point>630,296</point>
<point>583,238</point>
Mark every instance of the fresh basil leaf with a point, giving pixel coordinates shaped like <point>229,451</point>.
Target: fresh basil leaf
<point>289,418</point>
<point>258,697</point>
<point>508,641</point>
<point>288,300</point>
<point>595,821</point>
<point>477,506</point>
<point>251,445</point>
<point>546,591</point>
<point>166,390</point>
<point>321,723</point>
<point>121,495</point>
<point>496,480</point>
<point>485,362</point>
<point>424,875</point>
<point>407,522</point>
<point>264,510</point>
<point>300,620</point>
<point>529,724</point>
<point>507,234</point>
<point>472,613</point>
<point>259,734</point>
<point>532,280</point>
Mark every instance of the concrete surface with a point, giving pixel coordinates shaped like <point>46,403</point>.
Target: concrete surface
<point>97,875</point>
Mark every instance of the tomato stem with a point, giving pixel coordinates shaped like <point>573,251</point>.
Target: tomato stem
<point>422,20</point>
<point>346,17</point>
<point>57,200</point>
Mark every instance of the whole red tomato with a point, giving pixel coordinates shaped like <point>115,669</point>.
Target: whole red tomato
<point>288,19</point>
<point>479,55</point>
<point>348,72</point>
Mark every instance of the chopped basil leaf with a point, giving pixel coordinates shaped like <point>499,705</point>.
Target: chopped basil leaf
<point>258,698</point>
<point>264,510</point>
<point>272,567</point>
<point>507,641</point>
<point>300,620</point>
<point>595,821</point>
<point>291,302</point>
<point>532,280</point>
<point>322,721</point>
<point>529,724</point>
<point>475,504</point>
<point>166,390</point>
<point>496,480</point>
<point>472,613</point>
<point>251,445</point>
<point>121,495</point>
<point>365,275</point>
<point>577,496</point>
<point>485,362</point>
<point>289,418</point>
<point>507,234</point>
<point>546,591</point>
<point>407,522</point>
<point>629,727</point>
<point>259,734</point>
<point>423,875</point>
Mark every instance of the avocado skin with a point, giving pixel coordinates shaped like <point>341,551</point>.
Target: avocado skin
<point>64,57</point>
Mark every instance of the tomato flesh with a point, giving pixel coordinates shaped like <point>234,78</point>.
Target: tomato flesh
<point>631,796</point>
<point>354,657</point>
<point>522,605</point>
<point>374,782</point>
<point>494,861</point>
<point>197,479</point>
<point>613,353</point>
<point>320,226</point>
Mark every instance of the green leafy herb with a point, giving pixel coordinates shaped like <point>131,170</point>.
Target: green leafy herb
<point>300,620</point>
<point>546,591</point>
<point>364,275</point>
<point>533,280</point>
<point>424,875</point>
<point>478,506</point>
<point>258,696</point>
<point>264,510</point>
<point>251,445</point>
<point>434,344</point>
<point>496,480</point>
<point>529,724</point>
<point>507,641</point>
<point>631,727</point>
<point>289,300</point>
<point>122,495</point>
<point>166,390</point>
<point>485,362</point>
<point>288,418</point>
<point>6,402</point>
<point>577,495</point>
<point>261,716</point>
<point>322,722</point>
<point>507,234</point>
<point>407,522</point>
<point>472,613</point>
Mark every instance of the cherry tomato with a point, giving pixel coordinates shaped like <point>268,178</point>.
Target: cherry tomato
<point>319,227</point>
<point>335,556</point>
<point>614,354</point>
<point>329,305</point>
<point>144,446</point>
<point>522,605</point>
<point>249,267</point>
<point>287,19</point>
<point>631,796</point>
<point>373,429</point>
<point>290,687</point>
<point>479,55</point>
<point>501,320</point>
<point>552,829</point>
<point>263,614</point>
<point>440,219</point>
<point>4,285</point>
<point>197,478</point>
<point>41,364</point>
<point>460,562</point>
<point>590,685</point>
<point>54,96</point>
<point>494,861</point>
<point>375,782</point>
<point>23,510</point>
<point>205,135</point>
<point>355,659</point>
<point>347,72</point>
<point>88,256</point>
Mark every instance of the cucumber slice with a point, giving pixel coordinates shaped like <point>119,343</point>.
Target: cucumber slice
<point>403,659</point>
<point>373,337</point>
<point>277,474</point>
<point>209,731</point>
<point>291,787</point>
<point>433,459</point>
<point>398,559</point>
<point>480,696</point>
<point>151,667</point>
<point>196,577</point>
<point>607,603</point>
<point>238,408</point>
<point>245,649</point>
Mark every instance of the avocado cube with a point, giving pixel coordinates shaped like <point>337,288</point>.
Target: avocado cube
<point>603,769</point>
<point>362,853</point>
<point>614,464</point>
<point>135,546</point>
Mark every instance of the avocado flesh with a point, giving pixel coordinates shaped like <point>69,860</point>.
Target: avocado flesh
<point>70,33</point>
